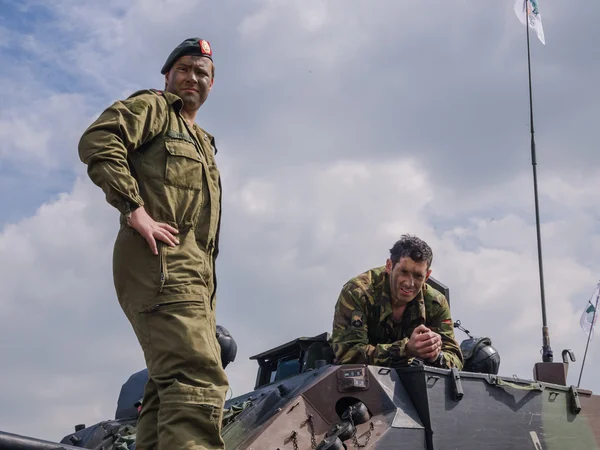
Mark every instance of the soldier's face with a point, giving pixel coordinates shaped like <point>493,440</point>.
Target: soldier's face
<point>190,78</point>
<point>406,279</point>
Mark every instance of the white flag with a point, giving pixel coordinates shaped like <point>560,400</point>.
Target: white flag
<point>589,317</point>
<point>535,19</point>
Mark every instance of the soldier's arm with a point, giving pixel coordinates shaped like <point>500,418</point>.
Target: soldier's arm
<point>349,338</point>
<point>104,147</point>
<point>440,321</point>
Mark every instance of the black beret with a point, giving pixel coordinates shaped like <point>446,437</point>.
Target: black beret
<point>191,46</point>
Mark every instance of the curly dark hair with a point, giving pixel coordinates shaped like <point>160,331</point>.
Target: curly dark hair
<point>413,247</point>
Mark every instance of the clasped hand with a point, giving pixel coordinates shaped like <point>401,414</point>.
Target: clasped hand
<point>424,344</point>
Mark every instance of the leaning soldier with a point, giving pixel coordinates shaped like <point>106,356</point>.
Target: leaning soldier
<point>157,168</point>
<point>390,316</point>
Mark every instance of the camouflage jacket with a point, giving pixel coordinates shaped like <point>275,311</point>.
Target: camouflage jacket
<point>364,332</point>
<point>140,151</point>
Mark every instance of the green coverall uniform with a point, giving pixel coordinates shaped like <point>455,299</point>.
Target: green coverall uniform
<point>140,151</point>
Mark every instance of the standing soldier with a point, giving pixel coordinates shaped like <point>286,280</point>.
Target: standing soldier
<point>157,167</point>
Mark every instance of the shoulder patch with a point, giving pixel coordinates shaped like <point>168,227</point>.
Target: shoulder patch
<point>356,319</point>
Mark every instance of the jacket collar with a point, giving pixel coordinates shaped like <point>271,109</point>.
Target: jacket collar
<point>173,100</point>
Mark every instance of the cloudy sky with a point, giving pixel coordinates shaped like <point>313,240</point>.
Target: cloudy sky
<point>340,126</point>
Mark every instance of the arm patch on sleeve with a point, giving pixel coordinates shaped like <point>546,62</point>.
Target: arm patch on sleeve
<point>356,320</point>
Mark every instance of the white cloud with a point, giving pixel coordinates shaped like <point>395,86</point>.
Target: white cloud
<point>5,36</point>
<point>40,131</point>
<point>59,316</point>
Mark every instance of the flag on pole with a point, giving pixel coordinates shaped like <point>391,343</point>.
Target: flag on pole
<point>535,19</point>
<point>589,317</point>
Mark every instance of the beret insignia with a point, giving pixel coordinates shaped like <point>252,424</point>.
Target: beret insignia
<point>205,47</point>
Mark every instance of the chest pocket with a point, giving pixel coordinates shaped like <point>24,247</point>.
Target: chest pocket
<point>183,166</point>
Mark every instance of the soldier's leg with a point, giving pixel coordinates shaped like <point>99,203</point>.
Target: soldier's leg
<point>183,360</point>
<point>147,424</point>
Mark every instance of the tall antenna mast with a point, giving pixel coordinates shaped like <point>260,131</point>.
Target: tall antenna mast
<point>547,355</point>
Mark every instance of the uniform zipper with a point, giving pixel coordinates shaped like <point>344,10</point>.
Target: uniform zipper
<point>163,276</point>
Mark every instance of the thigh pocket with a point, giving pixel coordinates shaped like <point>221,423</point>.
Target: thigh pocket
<point>183,268</point>
<point>184,165</point>
<point>179,393</point>
<point>182,338</point>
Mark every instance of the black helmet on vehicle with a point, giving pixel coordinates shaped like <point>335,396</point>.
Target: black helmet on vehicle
<point>480,356</point>
<point>227,344</point>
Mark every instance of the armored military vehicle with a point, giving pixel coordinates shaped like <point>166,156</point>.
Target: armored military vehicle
<point>303,400</point>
